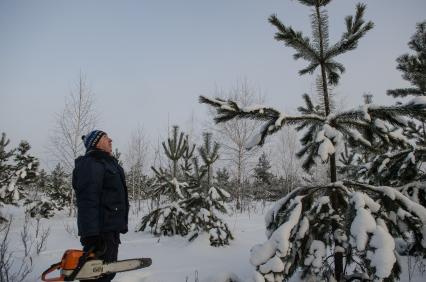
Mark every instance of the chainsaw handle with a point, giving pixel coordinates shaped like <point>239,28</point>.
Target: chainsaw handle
<point>54,267</point>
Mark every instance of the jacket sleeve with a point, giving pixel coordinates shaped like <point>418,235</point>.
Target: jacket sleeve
<point>89,181</point>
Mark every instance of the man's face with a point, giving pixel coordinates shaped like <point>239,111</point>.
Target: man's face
<point>105,144</point>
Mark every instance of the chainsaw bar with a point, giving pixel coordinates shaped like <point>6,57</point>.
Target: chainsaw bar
<point>93,269</point>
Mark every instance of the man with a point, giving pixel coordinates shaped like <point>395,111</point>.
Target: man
<point>102,199</point>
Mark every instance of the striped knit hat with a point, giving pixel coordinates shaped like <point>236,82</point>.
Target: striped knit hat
<point>90,140</point>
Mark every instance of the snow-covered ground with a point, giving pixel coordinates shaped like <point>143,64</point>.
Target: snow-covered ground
<point>174,259</point>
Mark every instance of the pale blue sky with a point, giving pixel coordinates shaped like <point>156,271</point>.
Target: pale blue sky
<point>147,60</point>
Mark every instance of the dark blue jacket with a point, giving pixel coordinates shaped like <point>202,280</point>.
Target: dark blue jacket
<point>101,194</point>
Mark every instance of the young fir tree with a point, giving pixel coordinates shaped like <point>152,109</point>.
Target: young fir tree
<point>6,168</point>
<point>169,220</point>
<point>58,187</point>
<point>413,66</point>
<point>343,228</point>
<point>55,196</point>
<point>192,203</point>
<point>402,165</point>
<point>205,200</point>
<point>222,179</point>
<point>42,180</point>
<point>264,180</point>
<point>21,176</point>
<point>187,157</point>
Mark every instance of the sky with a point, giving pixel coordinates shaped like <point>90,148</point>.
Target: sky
<point>148,61</point>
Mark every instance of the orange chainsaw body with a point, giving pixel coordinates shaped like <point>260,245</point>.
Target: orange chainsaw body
<point>69,261</point>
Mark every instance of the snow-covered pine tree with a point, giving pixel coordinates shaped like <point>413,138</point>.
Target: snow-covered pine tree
<point>264,180</point>
<point>222,179</point>
<point>20,177</point>
<point>53,198</point>
<point>205,200</point>
<point>6,170</point>
<point>413,66</point>
<point>401,165</point>
<point>343,228</point>
<point>169,219</point>
<point>261,171</point>
<point>58,187</point>
<point>187,157</point>
<point>42,181</point>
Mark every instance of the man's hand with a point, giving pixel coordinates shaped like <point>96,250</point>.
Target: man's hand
<point>94,243</point>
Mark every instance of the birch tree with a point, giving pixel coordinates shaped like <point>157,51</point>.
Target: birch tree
<point>136,158</point>
<point>235,134</point>
<point>76,119</point>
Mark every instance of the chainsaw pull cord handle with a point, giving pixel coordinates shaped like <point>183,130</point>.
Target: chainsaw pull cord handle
<point>52,268</point>
<point>82,260</point>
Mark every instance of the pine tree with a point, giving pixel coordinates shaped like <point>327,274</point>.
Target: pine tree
<point>188,156</point>
<point>169,220</point>
<point>262,174</point>
<point>45,202</point>
<point>222,179</point>
<point>6,170</point>
<point>42,181</point>
<point>209,154</point>
<point>401,166</point>
<point>22,176</point>
<point>413,66</point>
<point>192,203</point>
<point>343,228</point>
<point>205,200</point>
<point>58,187</point>
<point>264,180</point>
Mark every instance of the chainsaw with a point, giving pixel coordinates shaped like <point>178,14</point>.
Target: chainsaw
<point>79,265</point>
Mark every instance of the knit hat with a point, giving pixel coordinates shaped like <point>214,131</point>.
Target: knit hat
<point>90,140</point>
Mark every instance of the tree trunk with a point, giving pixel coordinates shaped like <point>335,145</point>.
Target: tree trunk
<point>338,257</point>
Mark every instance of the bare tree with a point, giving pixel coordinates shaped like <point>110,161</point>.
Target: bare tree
<point>11,268</point>
<point>288,165</point>
<point>233,136</point>
<point>76,119</point>
<point>136,159</point>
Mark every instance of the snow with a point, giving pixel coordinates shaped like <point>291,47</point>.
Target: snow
<point>275,264</point>
<point>214,194</point>
<point>382,257</point>
<point>253,108</point>
<point>178,187</point>
<point>326,149</point>
<point>279,242</point>
<point>363,222</point>
<point>280,120</point>
<point>419,100</point>
<point>380,124</point>
<point>316,255</point>
<point>303,228</point>
<point>329,138</point>
<point>364,109</point>
<point>174,258</point>
<point>357,136</point>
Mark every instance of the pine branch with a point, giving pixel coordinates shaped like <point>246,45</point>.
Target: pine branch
<point>356,29</point>
<point>404,92</point>
<point>312,3</point>
<point>295,40</point>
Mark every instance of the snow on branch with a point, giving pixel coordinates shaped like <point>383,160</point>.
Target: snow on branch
<point>369,219</point>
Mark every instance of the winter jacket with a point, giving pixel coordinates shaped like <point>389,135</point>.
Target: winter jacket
<point>101,194</point>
